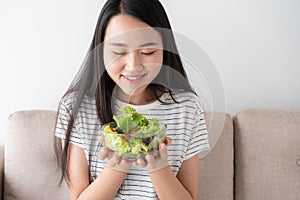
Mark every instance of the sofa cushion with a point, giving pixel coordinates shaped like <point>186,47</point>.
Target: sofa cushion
<point>267,152</point>
<point>29,144</point>
<point>216,169</point>
<point>31,172</point>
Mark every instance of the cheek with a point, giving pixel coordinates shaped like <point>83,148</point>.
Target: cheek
<point>160,56</point>
<point>115,67</point>
<point>154,69</point>
<point>157,58</point>
<point>114,70</point>
<point>157,63</point>
<point>112,63</point>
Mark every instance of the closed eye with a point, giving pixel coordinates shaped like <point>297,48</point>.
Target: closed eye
<point>148,53</point>
<point>119,53</point>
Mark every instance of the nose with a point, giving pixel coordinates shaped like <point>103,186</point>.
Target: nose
<point>133,61</point>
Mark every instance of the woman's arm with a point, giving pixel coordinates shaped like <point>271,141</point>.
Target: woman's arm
<point>184,186</point>
<point>105,186</point>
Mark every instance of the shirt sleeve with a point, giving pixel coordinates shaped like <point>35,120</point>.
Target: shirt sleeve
<point>198,140</point>
<point>63,119</point>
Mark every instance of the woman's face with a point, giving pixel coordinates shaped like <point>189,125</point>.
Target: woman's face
<point>133,56</point>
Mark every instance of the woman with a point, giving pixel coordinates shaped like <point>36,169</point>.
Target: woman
<point>133,61</point>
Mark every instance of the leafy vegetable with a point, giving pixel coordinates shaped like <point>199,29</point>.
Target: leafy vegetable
<point>132,134</point>
<point>131,120</point>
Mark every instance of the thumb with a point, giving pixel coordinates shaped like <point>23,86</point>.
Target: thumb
<point>163,151</point>
<point>101,140</point>
<point>103,153</point>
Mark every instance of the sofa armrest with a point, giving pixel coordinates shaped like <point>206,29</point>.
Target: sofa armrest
<point>35,175</point>
<point>267,147</point>
<point>1,171</point>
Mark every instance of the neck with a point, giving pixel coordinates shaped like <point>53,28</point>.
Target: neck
<point>145,97</point>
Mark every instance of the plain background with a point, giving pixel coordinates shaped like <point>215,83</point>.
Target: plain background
<point>254,44</point>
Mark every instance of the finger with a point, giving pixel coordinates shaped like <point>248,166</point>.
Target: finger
<point>124,165</point>
<point>167,141</point>
<point>116,159</point>
<point>103,153</point>
<point>162,146</point>
<point>141,162</point>
<point>163,151</point>
<point>101,140</point>
<point>124,162</point>
<point>151,163</point>
<point>134,162</point>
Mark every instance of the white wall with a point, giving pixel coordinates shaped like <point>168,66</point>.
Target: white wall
<point>254,44</point>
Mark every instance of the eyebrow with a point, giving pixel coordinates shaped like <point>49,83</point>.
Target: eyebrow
<point>142,45</point>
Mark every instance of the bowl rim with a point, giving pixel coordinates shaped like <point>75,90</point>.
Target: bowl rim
<point>124,134</point>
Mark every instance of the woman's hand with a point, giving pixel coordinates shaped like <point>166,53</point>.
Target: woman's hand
<point>119,164</point>
<point>114,162</point>
<point>152,163</point>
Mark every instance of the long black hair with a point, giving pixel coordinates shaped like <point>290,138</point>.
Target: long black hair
<point>94,81</point>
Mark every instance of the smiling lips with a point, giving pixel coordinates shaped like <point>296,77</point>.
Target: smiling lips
<point>133,79</point>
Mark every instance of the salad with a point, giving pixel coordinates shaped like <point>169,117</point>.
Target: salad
<point>132,135</point>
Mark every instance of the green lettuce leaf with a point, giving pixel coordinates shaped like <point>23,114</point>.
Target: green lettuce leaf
<point>133,135</point>
<point>131,120</point>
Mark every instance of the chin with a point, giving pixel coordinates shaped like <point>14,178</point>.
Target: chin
<point>133,91</point>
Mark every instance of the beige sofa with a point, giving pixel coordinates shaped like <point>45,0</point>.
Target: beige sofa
<point>257,157</point>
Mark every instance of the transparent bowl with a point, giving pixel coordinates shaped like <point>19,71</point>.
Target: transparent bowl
<point>133,145</point>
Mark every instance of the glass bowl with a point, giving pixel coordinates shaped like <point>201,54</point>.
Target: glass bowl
<point>133,144</point>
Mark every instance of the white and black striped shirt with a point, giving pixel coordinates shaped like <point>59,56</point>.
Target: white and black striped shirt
<point>185,126</point>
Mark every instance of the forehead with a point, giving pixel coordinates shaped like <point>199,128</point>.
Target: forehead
<point>130,31</point>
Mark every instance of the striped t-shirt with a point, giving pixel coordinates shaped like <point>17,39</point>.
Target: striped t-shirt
<point>185,126</point>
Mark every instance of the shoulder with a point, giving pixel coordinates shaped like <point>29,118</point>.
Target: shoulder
<point>189,99</point>
<point>73,100</point>
<point>184,95</point>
